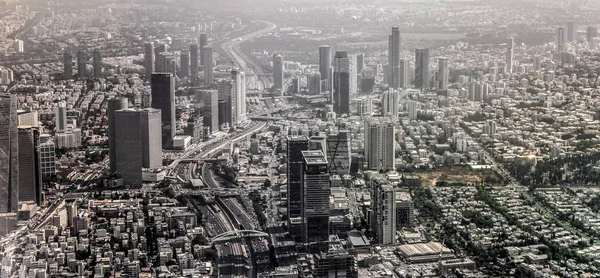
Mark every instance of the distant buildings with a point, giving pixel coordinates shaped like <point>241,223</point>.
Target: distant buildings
<point>158,62</point>
<point>394,58</point>
<point>194,62</point>
<point>138,141</point>
<point>341,83</point>
<point>313,81</point>
<point>9,156</point>
<point>561,40</point>
<point>325,66</point>
<point>18,46</point>
<point>97,63</point>
<point>278,73</point>
<point>184,62</point>
<point>207,60</point>
<point>404,79</point>
<point>163,97</point>
<point>203,42</point>
<point>510,43</point>
<point>422,73</point>
<point>239,93</point>
<point>571,32</point>
<point>389,103</point>
<point>149,58</point>
<point>443,73</point>
<point>380,145</point>
<point>67,65</point>
<point>82,64</point>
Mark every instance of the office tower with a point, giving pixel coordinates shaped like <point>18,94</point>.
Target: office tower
<point>184,61</point>
<point>18,46</point>
<point>510,43</point>
<point>389,103</point>
<point>114,104</point>
<point>313,82</point>
<point>403,72</point>
<point>537,62</point>
<point>239,99</point>
<point>47,152</point>
<point>590,33</point>
<point>341,83</point>
<point>277,72</point>
<point>561,40</point>
<point>138,141</point>
<point>158,61</point>
<point>162,86</point>
<point>338,152</point>
<point>9,154</point>
<point>203,41</point>
<point>210,108</point>
<point>207,64</point>
<point>194,61</point>
<point>380,146</point>
<point>422,74</point>
<point>81,64</point>
<point>149,58</point>
<point>227,101</point>
<point>353,76</point>
<point>315,199</point>
<point>97,63</point>
<point>394,57</point>
<point>68,64</point>
<point>60,118</point>
<point>325,65</point>
<point>443,73</point>
<point>413,109</point>
<point>383,221</point>
<point>295,146</point>
<point>571,31</point>
<point>337,262</point>
<point>30,175</point>
<point>360,63</point>
<point>405,209</point>
<point>295,85</point>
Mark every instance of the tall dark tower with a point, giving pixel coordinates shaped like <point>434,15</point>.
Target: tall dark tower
<point>149,58</point>
<point>394,58</point>
<point>68,64</point>
<point>162,86</point>
<point>295,161</point>
<point>315,201</point>
<point>325,65</point>
<point>81,64</point>
<point>207,59</point>
<point>9,154</point>
<point>203,41</point>
<point>114,104</point>
<point>341,83</point>
<point>30,174</point>
<point>422,74</point>
<point>97,63</point>
<point>194,62</point>
<point>184,61</point>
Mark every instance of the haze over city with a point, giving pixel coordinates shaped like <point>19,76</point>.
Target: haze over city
<point>299,138</point>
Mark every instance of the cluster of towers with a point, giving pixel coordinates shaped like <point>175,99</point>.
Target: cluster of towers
<point>82,64</point>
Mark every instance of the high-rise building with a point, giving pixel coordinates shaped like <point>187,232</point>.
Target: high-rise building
<point>561,40</point>
<point>422,74</point>
<point>571,31</point>
<point>9,154</point>
<point>383,204</point>
<point>413,109</point>
<point>537,62</point>
<point>18,46</point>
<point>277,72</point>
<point>337,262</point>
<point>97,63</point>
<point>194,61</point>
<point>30,175</point>
<point>325,66</point>
<point>403,80</point>
<point>315,199</point>
<point>510,43</point>
<point>68,64</point>
<point>443,73</point>
<point>389,103</point>
<point>184,61</point>
<point>149,58</point>
<point>353,75</point>
<point>591,33</point>
<point>138,141</point>
<point>158,61</point>
<point>239,95</point>
<point>338,152</point>
<point>207,59</point>
<point>209,109</point>
<point>203,41</point>
<point>47,152</point>
<point>114,104</point>
<point>60,117</point>
<point>295,146</point>
<point>360,63</point>
<point>380,146</point>
<point>313,82</point>
<point>394,57</point>
<point>82,64</point>
<point>162,86</point>
<point>405,209</point>
<point>341,83</point>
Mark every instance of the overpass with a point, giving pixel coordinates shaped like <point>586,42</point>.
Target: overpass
<point>237,234</point>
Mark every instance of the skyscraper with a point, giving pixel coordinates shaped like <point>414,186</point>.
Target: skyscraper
<point>353,76</point>
<point>403,79</point>
<point>380,146</point>
<point>510,43</point>
<point>571,31</point>
<point>207,64</point>
<point>203,41</point>
<point>590,33</point>
<point>60,117</point>
<point>81,64</point>
<point>325,65</point>
<point>194,61</point>
<point>360,63</point>
<point>315,199</point>
<point>383,221</point>
<point>30,175</point>
<point>9,154</point>
<point>295,146</point>
<point>184,61</point>
<point>341,83</point>
<point>443,73</point>
<point>561,40</point>
<point>227,101</point>
<point>277,72</point>
<point>313,81</point>
<point>239,98</point>
<point>68,64</point>
<point>338,152</point>
<point>389,103</point>
<point>209,108</point>
<point>138,141</point>
<point>422,74</point>
<point>97,63</point>
<point>162,86</point>
<point>114,104</point>
<point>47,152</point>
<point>159,48</point>
<point>149,58</point>
<point>394,57</point>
